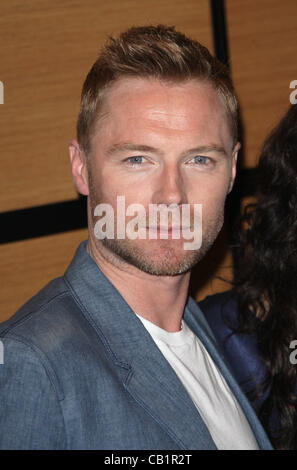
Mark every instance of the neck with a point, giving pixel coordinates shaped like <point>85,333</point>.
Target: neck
<point>159,299</point>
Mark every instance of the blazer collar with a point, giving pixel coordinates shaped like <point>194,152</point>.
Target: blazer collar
<point>145,373</point>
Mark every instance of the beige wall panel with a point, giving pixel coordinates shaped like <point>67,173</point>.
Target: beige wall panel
<point>29,265</point>
<point>46,49</point>
<point>263,49</point>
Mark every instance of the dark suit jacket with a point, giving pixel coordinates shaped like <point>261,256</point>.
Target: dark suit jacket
<point>240,350</point>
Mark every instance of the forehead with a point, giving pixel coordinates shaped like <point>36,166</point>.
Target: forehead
<point>135,104</point>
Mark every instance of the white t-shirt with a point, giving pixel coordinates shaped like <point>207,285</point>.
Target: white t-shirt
<point>207,388</point>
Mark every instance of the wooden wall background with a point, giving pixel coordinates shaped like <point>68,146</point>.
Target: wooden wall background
<point>46,49</point>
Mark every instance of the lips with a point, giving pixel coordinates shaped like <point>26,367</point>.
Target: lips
<point>168,228</point>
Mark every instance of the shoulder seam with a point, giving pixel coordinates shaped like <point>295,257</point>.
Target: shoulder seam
<point>43,360</point>
<point>28,315</point>
<point>49,372</point>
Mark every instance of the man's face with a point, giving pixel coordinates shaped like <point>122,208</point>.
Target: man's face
<point>161,143</point>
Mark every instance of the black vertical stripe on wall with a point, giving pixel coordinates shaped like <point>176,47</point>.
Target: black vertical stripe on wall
<point>219,32</point>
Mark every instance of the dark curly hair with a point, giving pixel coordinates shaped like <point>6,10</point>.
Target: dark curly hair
<point>265,278</point>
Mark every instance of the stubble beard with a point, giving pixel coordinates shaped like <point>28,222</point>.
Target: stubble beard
<point>171,258</point>
<point>171,261</point>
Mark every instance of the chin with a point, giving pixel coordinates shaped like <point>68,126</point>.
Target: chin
<point>165,259</point>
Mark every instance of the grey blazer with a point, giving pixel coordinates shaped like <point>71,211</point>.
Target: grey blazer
<point>80,371</point>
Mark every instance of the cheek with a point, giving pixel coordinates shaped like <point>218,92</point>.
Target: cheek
<point>116,183</point>
<point>208,190</point>
<point>104,186</point>
<point>105,189</point>
<point>213,202</point>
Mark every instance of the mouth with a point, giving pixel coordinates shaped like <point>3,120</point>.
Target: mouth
<point>168,229</point>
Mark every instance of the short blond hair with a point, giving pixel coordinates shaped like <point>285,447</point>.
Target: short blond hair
<point>158,52</point>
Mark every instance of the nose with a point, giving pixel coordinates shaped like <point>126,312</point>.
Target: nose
<point>170,187</point>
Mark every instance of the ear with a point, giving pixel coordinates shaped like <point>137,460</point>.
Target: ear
<point>233,167</point>
<point>79,168</point>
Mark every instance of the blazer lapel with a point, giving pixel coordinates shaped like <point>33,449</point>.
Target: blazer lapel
<point>154,385</point>
<point>143,369</point>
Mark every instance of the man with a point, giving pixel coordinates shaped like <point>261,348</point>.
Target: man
<point>114,355</point>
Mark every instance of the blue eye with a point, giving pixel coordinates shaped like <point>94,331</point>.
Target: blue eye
<point>201,160</point>
<point>135,160</point>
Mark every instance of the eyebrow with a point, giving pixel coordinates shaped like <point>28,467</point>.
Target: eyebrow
<point>207,149</point>
<point>124,146</point>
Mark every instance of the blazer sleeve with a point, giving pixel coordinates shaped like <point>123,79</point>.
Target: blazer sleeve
<point>30,412</point>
